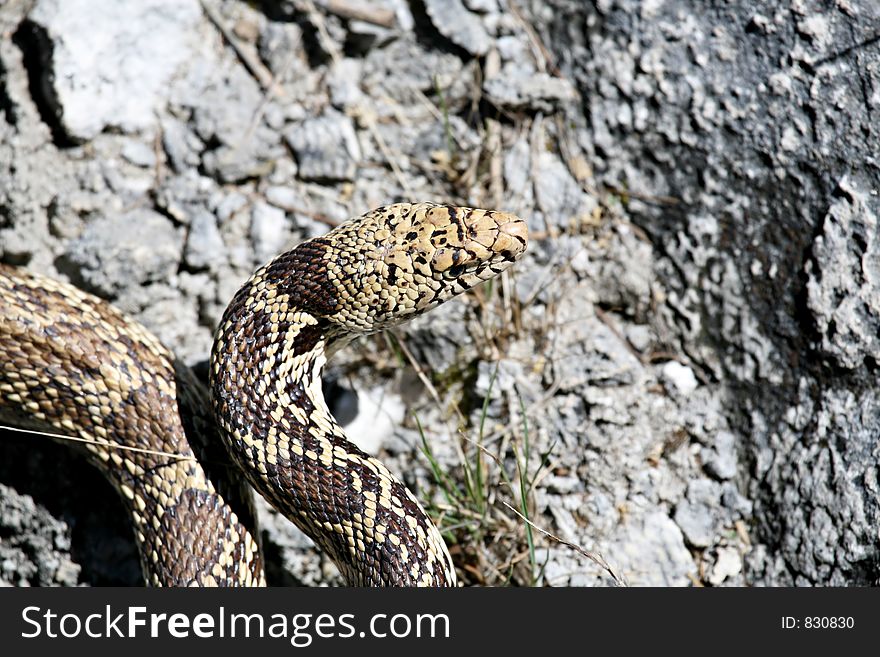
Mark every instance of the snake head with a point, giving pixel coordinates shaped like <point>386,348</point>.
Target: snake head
<point>403,259</point>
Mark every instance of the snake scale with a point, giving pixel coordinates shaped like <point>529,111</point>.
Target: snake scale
<point>72,364</point>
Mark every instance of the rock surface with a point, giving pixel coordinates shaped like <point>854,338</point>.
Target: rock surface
<point>745,135</point>
<point>111,62</point>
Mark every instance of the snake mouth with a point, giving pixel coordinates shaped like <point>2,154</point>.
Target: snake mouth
<point>513,236</point>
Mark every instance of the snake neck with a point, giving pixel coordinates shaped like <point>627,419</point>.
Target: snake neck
<point>266,390</point>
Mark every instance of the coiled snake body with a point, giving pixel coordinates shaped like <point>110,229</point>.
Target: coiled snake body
<point>73,365</point>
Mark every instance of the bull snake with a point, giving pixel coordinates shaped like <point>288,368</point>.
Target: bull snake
<point>72,364</point>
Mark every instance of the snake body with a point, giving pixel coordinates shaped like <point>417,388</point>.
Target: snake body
<point>72,364</point>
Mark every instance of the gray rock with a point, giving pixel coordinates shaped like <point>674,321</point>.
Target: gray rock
<point>326,147</point>
<point>834,534</point>
<point>181,144</point>
<point>559,195</point>
<point>585,350</point>
<point>231,164</point>
<point>181,197</point>
<point>720,460</point>
<point>32,552</point>
<point>402,69</point>
<point>204,244</point>
<point>279,45</point>
<point>402,14</point>
<point>678,379</point>
<point>728,564</point>
<point>640,337</point>
<point>230,205</point>
<point>844,278</point>
<point>283,197</point>
<point>111,61</point>
<point>139,153</point>
<point>622,271</point>
<point>735,501</point>
<point>172,317</point>
<point>268,233</point>
<point>134,248</point>
<point>91,542</point>
<point>518,175</point>
<point>438,339</point>
<point>484,6</point>
<point>456,23</point>
<point>365,35</point>
<point>695,516</point>
<point>453,138</point>
<point>539,92</point>
<point>514,50</point>
<point>227,116</point>
<point>498,383</point>
<point>343,81</point>
<point>369,416</point>
<point>656,535</point>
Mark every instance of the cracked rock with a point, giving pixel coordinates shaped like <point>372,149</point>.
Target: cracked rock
<point>268,231</point>
<point>113,252</point>
<point>538,92</point>
<point>111,62</point>
<point>464,28</point>
<point>695,516</point>
<point>204,244</point>
<point>728,564</point>
<point>326,147</point>
<point>844,279</point>
<point>679,378</point>
<point>720,460</point>
<point>655,534</point>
